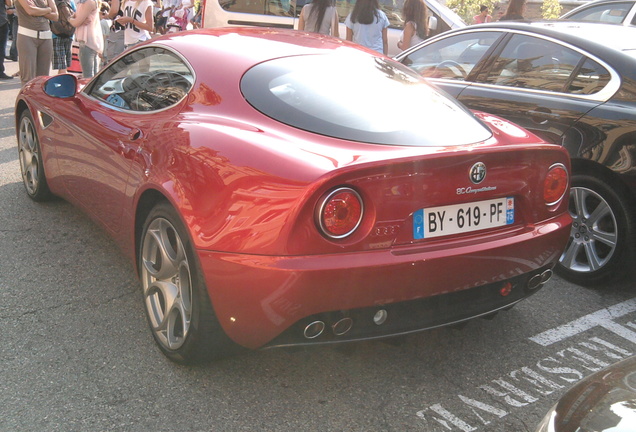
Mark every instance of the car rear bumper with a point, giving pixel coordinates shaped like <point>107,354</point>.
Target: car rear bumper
<point>270,300</point>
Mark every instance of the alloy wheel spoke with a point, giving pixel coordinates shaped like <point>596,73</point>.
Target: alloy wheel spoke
<point>32,170</point>
<point>161,297</point>
<point>608,238</point>
<point>579,195</point>
<point>602,210</point>
<point>594,261</point>
<point>568,259</point>
<point>166,258</point>
<point>178,325</point>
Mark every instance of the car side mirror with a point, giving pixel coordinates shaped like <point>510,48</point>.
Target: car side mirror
<point>61,86</point>
<point>432,23</point>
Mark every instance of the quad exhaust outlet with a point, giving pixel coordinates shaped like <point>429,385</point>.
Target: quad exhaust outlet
<point>539,279</point>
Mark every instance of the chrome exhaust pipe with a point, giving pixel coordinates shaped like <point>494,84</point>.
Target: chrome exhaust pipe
<point>342,326</point>
<point>539,279</point>
<point>546,276</point>
<point>314,329</point>
<point>535,282</point>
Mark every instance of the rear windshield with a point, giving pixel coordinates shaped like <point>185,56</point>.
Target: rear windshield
<point>360,98</point>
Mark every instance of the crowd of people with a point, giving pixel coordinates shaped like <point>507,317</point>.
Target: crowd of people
<point>101,29</point>
<point>367,23</point>
<point>104,29</point>
<point>514,12</point>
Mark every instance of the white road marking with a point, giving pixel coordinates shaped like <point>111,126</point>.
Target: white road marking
<point>603,318</point>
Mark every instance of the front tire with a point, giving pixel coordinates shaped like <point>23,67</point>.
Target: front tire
<point>602,233</point>
<point>31,163</point>
<point>177,305</point>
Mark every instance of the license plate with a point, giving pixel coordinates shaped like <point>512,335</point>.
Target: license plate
<point>462,218</point>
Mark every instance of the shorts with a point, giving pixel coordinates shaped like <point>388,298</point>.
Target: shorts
<point>62,56</point>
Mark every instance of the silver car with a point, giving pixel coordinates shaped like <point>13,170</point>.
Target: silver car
<point>619,12</point>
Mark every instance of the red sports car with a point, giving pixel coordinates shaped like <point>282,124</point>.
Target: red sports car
<point>277,188</point>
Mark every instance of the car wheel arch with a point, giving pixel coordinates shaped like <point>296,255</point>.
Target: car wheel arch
<point>21,106</point>
<point>588,167</point>
<point>204,339</point>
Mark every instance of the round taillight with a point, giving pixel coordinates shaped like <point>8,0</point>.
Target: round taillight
<point>555,185</point>
<point>340,212</point>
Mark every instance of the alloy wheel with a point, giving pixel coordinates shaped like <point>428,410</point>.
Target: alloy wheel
<point>167,283</point>
<point>594,234</point>
<point>29,155</point>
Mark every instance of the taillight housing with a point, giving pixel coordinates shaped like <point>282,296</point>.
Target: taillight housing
<point>555,184</point>
<point>339,212</point>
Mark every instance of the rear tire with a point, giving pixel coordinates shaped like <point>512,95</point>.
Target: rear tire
<point>602,233</point>
<point>31,163</point>
<point>176,301</point>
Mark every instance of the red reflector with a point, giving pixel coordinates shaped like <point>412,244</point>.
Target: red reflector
<point>340,213</point>
<point>555,185</point>
<point>505,290</point>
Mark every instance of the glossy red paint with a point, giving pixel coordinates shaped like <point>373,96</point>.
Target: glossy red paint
<point>247,186</point>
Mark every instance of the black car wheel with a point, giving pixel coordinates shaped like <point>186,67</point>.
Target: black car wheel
<point>601,233</point>
<point>30,155</point>
<point>176,301</point>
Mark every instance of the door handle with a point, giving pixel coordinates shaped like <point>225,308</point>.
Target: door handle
<point>134,134</point>
<point>542,116</point>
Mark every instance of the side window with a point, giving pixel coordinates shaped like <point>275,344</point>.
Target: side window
<point>148,79</point>
<point>260,7</point>
<point>613,13</point>
<point>591,78</point>
<point>533,63</point>
<point>453,57</point>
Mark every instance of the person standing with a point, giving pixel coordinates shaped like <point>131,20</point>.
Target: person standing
<point>62,47</point>
<point>88,35</point>
<point>482,17</point>
<point>13,30</point>
<point>196,19</point>
<point>367,25</point>
<point>4,34</point>
<point>115,39</point>
<point>415,24</point>
<point>138,20</point>
<point>515,11</point>
<point>105,24</point>
<point>167,8</point>
<point>319,16</point>
<point>35,44</point>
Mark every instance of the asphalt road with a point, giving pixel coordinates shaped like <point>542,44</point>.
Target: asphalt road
<point>76,353</point>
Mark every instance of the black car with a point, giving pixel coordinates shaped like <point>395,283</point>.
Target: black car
<point>570,83</point>
<point>602,402</point>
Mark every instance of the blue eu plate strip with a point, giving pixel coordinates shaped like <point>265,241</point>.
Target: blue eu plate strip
<point>418,224</point>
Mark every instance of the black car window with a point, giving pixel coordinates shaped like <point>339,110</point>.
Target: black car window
<point>607,13</point>
<point>148,79</point>
<point>534,63</point>
<point>590,79</point>
<point>453,57</point>
<point>376,101</point>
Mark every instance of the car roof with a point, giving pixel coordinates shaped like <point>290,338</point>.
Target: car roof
<point>243,47</point>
